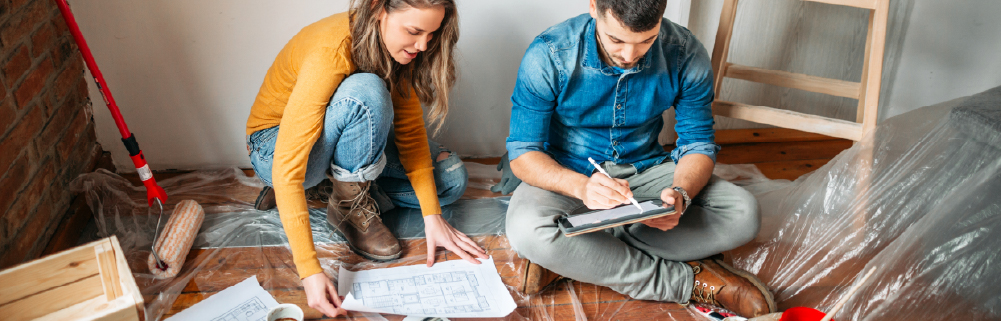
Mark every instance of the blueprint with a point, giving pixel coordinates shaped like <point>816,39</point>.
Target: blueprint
<point>245,301</point>
<point>448,289</point>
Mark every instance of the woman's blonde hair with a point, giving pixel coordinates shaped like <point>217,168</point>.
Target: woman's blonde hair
<point>431,74</point>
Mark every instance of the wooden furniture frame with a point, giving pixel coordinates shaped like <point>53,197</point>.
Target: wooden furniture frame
<point>866,91</point>
<point>88,282</point>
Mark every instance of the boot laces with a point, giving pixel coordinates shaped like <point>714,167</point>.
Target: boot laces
<point>703,292</point>
<point>362,205</point>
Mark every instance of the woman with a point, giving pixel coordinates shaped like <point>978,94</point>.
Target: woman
<point>342,102</point>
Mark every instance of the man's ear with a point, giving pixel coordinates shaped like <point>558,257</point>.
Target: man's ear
<point>593,10</point>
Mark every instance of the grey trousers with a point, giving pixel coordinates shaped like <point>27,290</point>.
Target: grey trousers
<point>636,260</point>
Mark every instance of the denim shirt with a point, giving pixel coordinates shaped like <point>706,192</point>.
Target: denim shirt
<point>571,105</point>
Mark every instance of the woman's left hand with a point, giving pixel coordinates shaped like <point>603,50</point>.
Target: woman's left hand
<point>440,233</point>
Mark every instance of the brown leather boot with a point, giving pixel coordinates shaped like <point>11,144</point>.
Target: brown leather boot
<point>719,284</point>
<point>536,277</point>
<point>352,212</point>
<point>266,199</point>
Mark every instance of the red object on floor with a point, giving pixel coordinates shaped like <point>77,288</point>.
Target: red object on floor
<point>802,314</point>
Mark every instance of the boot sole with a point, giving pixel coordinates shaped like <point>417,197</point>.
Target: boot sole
<point>370,256</point>
<point>373,257</point>
<point>754,280</point>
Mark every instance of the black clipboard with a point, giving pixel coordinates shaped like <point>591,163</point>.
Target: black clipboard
<point>616,219</point>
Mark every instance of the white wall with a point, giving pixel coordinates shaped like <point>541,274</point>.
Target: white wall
<point>185,72</point>
<point>950,49</point>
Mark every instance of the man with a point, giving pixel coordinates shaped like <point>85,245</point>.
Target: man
<point>596,86</point>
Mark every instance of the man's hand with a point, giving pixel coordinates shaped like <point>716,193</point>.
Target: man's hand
<point>440,233</point>
<point>322,295</point>
<point>602,192</point>
<point>664,223</point>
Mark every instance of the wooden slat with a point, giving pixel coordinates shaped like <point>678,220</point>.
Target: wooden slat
<point>864,4</point>
<point>766,135</point>
<point>130,290</point>
<point>722,47</point>
<point>789,119</point>
<point>54,299</point>
<point>809,83</point>
<point>47,273</point>
<point>108,270</point>
<point>874,70</point>
<point>860,109</point>
<point>790,170</point>
<point>781,152</point>
<point>96,309</point>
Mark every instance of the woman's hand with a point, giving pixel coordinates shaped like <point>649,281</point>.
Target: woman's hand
<point>322,295</point>
<point>440,233</point>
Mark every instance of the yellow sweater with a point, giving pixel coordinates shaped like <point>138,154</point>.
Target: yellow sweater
<point>294,95</point>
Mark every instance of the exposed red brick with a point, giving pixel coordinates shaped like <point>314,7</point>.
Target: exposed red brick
<point>29,236</point>
<point>64,51</point>
<point>54,130</point>
<point>32,194</point>
<point>65,145</point>
<point>16,65</point>
<point>42,40</point>
<point>32,85</point>
<point>19,137</point>
<point>23,22</point>
<point>14,4</point>
<point>4,9</point>
<point>13,181</point>
<point>67,79</point>
<point>7,115</point>
<point>60,23</point>
<point>3,88</point>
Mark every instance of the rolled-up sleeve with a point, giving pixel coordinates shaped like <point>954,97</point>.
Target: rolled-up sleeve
<point>693,108</point>
<point>533,100</point>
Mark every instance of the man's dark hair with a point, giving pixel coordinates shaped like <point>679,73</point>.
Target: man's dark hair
<point>637,15</point>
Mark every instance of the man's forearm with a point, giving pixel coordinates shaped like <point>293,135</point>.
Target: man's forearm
<point>540,170</point>
<point>693,172</point>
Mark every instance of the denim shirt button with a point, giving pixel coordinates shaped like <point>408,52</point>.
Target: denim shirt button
<point>615,143</point>
<point>618,107</point>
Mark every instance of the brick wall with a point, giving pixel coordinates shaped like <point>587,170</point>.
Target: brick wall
<point>46,129</point>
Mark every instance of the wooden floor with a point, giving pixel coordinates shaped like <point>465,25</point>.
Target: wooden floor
<point>778,153</point>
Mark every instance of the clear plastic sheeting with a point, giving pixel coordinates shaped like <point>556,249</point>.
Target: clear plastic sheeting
<point>920,200</point>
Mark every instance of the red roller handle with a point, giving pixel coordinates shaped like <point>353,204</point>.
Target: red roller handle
<point>153,191</point>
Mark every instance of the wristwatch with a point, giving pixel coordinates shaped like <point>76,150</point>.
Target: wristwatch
<point>684,194</point>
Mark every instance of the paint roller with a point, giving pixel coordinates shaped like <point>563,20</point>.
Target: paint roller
<point>175,241</point>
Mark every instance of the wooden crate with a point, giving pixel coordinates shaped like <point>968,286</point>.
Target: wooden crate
<point>89,282</point>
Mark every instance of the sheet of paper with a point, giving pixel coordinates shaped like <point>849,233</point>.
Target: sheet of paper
<point>448,289</point>
<point>245,301</point>
<point>599,216</point>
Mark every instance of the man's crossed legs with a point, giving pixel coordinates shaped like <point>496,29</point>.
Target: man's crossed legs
<point>643,262</point>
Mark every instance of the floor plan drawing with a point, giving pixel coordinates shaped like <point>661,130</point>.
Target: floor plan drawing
<point>432,294</point>
<point>448,289</point>
<point>246,311</point>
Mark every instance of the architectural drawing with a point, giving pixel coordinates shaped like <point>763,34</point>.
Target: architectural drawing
<point>424,294</point>
<point>245,311</point>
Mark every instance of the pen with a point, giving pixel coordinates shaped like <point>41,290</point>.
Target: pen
<point>632,200</point>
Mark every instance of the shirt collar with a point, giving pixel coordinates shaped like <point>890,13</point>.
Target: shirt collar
<point>592,58</point>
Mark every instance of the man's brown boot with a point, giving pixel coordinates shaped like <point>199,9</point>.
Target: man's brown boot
<point>719,284</point>
<point>353,212</point>
<point>536,277</point>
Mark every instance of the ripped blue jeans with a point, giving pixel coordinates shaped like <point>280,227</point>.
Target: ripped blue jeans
<point>353,146</point>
